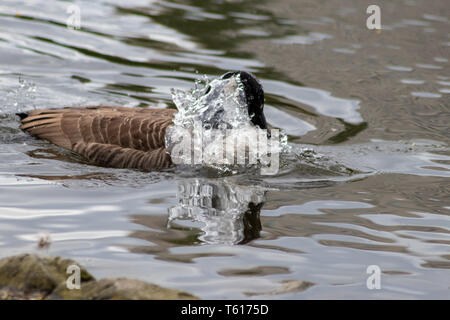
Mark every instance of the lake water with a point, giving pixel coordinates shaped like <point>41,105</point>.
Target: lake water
<point>367,181</point>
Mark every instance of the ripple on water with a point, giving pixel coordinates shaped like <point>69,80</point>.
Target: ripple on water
<point>440,59</point>
<point>77,235</point>
<point>423,94</point>
<point>412,22</point>
<point>428,66</point>
<point>315,208</point>
<point>310,38</point>
<point>254,32</point>
<point>412,81</point>
<point>435,18</point>
<point>400,68</point>
<point>322,101</point>
<point>343,50</point>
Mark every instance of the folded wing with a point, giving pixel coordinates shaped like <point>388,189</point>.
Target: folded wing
<point>109,136</point>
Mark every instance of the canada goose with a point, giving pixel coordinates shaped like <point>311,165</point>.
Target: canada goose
<point>123,137</point>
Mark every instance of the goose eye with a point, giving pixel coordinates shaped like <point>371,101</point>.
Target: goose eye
<point>208,89</point>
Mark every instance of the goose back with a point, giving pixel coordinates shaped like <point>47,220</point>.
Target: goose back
<point>117,137</point>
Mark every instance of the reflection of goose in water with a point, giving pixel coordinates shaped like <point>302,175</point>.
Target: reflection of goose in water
<point>229,213</point>
<point>213,211</point>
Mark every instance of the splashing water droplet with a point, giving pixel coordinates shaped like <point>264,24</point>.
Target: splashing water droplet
<point>19,99</point>
<point>213,128</point>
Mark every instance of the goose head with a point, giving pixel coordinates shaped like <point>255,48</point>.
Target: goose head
<point>230,99</point>
<point>217,114</point>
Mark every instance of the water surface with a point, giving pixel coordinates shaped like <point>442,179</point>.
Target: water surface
<point>366,182</point>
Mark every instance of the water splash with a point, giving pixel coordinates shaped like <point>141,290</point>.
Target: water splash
<point>220,102</point>
<point>213,128</point>
<point>19,99</point>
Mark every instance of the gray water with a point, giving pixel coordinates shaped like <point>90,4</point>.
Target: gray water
<point>361,186</point>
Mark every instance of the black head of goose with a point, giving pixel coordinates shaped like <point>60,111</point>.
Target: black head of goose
<point>124,137</point>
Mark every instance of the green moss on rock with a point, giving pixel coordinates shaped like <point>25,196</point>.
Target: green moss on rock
<point>122,288</point>
<point>31,275</point>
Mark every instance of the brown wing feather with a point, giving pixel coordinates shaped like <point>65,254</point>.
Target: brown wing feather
<point>110,136</point>
<point>118,157</point>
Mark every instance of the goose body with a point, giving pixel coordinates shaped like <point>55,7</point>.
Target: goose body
<point>121,137</point>
<point>108,136</point>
